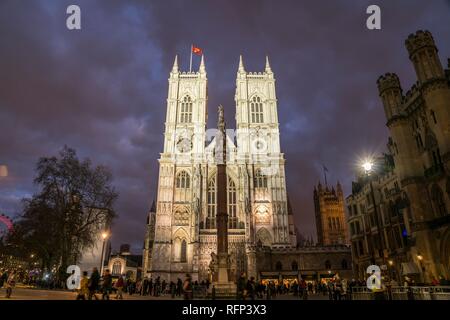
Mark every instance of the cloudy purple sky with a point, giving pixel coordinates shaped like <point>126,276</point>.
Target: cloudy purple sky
<point>102,90</point>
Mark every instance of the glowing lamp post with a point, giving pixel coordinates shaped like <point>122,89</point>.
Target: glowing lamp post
<point>367,166</point>
<point>102,262</point>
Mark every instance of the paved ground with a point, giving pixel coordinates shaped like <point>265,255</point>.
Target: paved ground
<point>37,294</point>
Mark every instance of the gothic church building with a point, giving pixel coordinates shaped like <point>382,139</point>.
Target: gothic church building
<point>185,224</point>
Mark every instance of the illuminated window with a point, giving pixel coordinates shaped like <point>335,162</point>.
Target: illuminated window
<point>256,109</point>
<point>260,179</point>
<point>186,110</point>
<point>211,218</point>
<point>232,205</point>
<point>231,202</point>
<point>117,268</point>
<point>183,180</point>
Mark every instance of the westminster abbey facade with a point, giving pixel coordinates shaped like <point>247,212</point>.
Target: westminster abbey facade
<point>184,239</point>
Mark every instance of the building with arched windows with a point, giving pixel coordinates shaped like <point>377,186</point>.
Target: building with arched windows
<point>184,237</point>
<point>399,214</point>
<point>123,263</point>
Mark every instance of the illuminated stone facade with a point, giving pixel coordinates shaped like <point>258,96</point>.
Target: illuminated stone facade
<point>185,225</point>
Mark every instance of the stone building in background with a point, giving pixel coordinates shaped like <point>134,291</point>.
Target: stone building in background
<point>329,208</point>
<point>148,240</point>
<point>125,263</point>
<point>413,197</point>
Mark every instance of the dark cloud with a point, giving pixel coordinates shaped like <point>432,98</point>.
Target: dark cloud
<point>102,90</point>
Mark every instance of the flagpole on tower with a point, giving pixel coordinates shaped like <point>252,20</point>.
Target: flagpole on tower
<point>190,63</point>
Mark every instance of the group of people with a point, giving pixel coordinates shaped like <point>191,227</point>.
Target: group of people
<point>8,280</point>
<point>90,287</point>
<point>250,289</point>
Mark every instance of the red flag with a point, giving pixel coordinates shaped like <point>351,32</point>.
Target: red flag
<point>197,50</point>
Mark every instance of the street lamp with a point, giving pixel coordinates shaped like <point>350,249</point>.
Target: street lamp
<point>102,262</point>
<point>367,166</point>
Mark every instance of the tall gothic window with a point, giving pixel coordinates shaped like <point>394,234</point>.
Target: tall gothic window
<point>327,264</point>
<point>183,253</point>
<point>294,266</point>
<point>232,205</point>
<point>186,110</point>
<point>231,202</point>
<point>183,180</point>
<point>117,268</point>
<point>256,108</point>
<point>438,201</point>
<point>211,218</point>
<point>260,179</point>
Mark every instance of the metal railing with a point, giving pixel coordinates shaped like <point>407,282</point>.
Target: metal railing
<point>403,293</point>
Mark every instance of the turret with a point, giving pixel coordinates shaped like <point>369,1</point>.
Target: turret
<point>391,94</point>
<point>424,55</point>
<point>339,187</point>
<point>202,68</point>
<point>241,68</point>
<point>267,69</point>
<point>175,65</point>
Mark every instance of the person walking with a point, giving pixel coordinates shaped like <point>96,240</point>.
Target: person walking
<point>10,283</point>
<point>187,287</point>
<point>83,292</point>
<point>304,289</point>
<point>241,287</point>
<point>179,287</point>
<point>93,284</point>
<point>119,286</point>
<point>3,277</point>
<point>106,285</point>
<point>251,288</point>
<point>172,289</point>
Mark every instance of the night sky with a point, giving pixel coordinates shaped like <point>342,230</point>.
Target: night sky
<point>102,90</point>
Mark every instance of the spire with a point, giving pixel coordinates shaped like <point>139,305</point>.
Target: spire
<point>241,64</point>
<point>153,208</point>
<point>175,65</point>
<point>268,70</point>
<point>202,68</point>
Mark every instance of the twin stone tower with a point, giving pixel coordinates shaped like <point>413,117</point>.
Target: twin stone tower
<point>234,186</point>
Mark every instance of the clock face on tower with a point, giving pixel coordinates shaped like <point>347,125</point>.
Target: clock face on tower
<point>184,145</point>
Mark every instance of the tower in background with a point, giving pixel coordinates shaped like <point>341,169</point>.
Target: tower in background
<point>330,215</point>
<point>149,239</point>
